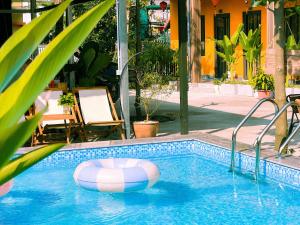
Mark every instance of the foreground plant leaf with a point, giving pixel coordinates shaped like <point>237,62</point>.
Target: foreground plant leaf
<point>23,162</point>
<point>15,137</point>
<point>20,95</point>
<point>18,48</point>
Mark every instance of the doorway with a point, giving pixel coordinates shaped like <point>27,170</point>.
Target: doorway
<point>222,27</point>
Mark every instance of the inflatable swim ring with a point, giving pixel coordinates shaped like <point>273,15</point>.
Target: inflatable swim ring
<point>6,187</point>
<point>116,174</point>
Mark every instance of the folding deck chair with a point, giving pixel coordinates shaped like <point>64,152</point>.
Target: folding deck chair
<point>95,108</point>
<point>54,117</point>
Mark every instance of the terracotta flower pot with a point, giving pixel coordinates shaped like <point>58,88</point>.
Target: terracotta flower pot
<point>264,94</point>
<point>144,129</point>
<point>67,109</point>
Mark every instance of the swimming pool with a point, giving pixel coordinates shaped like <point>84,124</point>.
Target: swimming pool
<point>195,188</point>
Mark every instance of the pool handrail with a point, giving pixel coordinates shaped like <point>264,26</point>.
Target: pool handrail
<point>250,113</point>
<point>257,143</point>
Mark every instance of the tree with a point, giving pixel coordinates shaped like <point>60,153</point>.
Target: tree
<point>105,33</point>
<point>279,76</point>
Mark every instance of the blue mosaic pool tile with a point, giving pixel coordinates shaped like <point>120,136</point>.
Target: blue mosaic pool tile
<point>72,158</point>
<point>282,173</point>
<point>208,151</point>
<point>247,163</point>
<point>212,152</point>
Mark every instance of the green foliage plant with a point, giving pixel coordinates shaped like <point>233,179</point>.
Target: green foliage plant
<point>105,32</point>
<point>153,92</point>
<point>295,9</point>
<point>157,57</point>
<point>262,81</point>
<point>91,64</point>
<point>251,45</point>
<point>228,53</point>
<point>217,82</point>
<point>17,97</point>
<point>291,43</point>
<point>66,100</point>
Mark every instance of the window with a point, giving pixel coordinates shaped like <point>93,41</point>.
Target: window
<point>251,20</point>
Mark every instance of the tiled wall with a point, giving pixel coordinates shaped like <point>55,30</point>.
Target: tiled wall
<point>71,158</point>
<point>247,163</point>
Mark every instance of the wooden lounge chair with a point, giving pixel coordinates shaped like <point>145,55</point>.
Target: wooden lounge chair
<point>96,108</point>
<point>54,117</point>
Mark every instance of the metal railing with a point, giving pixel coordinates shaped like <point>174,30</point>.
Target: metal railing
<point>258,140</point>
<point>250,113</point>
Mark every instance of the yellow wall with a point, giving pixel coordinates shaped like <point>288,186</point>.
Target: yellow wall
<point>236,9</point>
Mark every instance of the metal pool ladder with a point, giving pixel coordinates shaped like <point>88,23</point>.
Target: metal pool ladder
<point>257,143</point>
<point>234,133</point>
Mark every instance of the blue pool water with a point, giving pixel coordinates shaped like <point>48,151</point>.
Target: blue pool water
<point>191,190</point>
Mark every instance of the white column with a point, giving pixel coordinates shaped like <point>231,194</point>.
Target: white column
<point>122,42</point>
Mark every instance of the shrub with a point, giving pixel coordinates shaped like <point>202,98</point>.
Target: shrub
<point>66,100</point>
<point>262,81</point>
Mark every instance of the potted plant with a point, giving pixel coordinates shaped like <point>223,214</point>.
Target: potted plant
<point>153,90</point>
<point>263,83</point>
<point>67,101</point>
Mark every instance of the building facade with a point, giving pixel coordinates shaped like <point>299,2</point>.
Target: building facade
<point>212,19</point>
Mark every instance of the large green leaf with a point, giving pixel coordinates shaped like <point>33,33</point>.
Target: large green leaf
<point>256,3</point>
<point>220,43</point>
<point>17,49</point>
<point>99,64</point>
<point>23,162</point>
<point>244,41</point>
<point>20,95</point>
<point>227,46</point>
<point>235,37</point>
<point>13,138</point>
<point>88,57</point>
<point>222,55</point>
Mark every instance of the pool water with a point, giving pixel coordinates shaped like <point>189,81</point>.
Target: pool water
<point>191,190</point>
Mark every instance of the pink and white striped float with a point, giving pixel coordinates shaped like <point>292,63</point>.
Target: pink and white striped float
<point>5,188</point>
<point>116,174</point>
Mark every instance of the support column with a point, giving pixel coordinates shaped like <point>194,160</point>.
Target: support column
<point>183,68</point>
<point>122,60</point>
<point>32,9</point>
<point>6,21</point>
<point>195,37</point>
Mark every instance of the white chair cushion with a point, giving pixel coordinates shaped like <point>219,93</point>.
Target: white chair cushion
<point>95,106</point>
